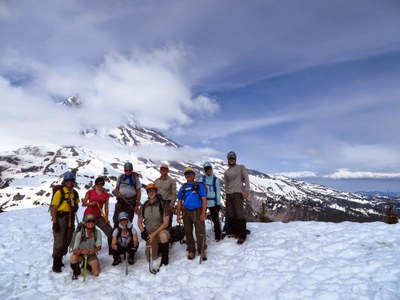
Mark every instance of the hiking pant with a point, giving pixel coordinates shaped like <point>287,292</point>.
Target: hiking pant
<point>122,250</point>
<point>190,218</point>
<point>214,211</point>
<point>121,206</point>
<point>235,212</point>
<point>63,237</point>
<point>171,214</point>
<point>107,229</point>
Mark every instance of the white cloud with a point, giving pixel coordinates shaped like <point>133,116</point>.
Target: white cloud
<point>146,85</point>
<point>348,174</point>
<point>300,174</point>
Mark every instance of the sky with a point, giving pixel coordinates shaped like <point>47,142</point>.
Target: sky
<point>308,89</point>
<point>285,261</point>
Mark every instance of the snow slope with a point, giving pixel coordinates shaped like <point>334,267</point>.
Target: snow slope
<point>297,260</point>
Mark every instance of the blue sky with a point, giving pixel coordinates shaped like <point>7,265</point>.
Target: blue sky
<point>309,89</point>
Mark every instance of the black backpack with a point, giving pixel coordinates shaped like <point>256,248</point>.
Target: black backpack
<point>177,234</point>
<point>81,228</point>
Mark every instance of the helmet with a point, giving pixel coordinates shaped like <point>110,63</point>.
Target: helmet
<point>122,216</point>
<point>207,164</point>
<point>188,170</point>
<point>151,186</point>
<point>231,154</point>
<point>69,176</point>
<point>88,217</point>
<point>128,165</point>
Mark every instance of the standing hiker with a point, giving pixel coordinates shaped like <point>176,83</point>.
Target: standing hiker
<point>124,240</point>
<point>166,187</point>
<point>192,202</point>
<point>237,190</point>
<point>213,197</point>
<point>96,200</point>
<point>128,193</point>
<point>64,205</point>
<point>153,222</point>
<point>87,243</point>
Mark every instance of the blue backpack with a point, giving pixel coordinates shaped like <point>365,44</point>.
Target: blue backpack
<point>214,185</point>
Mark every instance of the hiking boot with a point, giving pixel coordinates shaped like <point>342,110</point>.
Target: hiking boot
<point>57,262</point>
<point>241,241</point>
<point>191,255</point>
<point>131,258</point>
<point>164,254</point>
<point>117,261</point>
<point>76,271</point>
<point>203,256</point>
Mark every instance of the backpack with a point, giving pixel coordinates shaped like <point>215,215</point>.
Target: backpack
<point>195,188</point>
<point>134,176</point>
<point>80,228</point>
<point>59,187</point>
<point>176,234</point>
<point>214,185</point>
<point>119,234</point>
<point>161,205</point>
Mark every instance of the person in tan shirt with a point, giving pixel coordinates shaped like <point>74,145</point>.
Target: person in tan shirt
<point>166,187</point>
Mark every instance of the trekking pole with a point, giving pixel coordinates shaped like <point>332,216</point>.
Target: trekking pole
<point>84,268</point>
<point>102,213</point>
<point>202,249</point>
<point>126,264</point>
<point>127,202</point>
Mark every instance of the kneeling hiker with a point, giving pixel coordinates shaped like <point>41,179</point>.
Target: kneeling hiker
<point>153,221</point>
<point>124,240</point>
<point>87,243</point>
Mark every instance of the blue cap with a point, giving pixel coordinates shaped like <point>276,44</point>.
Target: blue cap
<point>207,164</point>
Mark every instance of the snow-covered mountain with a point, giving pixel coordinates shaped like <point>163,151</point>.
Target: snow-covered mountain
<point>27,175</point>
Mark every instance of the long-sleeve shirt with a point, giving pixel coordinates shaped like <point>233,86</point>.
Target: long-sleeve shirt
<point>167,189</point>
<point>236,179</point>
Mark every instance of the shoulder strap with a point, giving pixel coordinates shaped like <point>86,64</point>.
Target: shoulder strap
<point>118,182</point>
<point>62,197</point>
<point>119,234</point>
<point>215,184</point>
<point>144,207</point>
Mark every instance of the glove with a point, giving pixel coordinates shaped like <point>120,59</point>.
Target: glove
<point>56,227</point>
<point>144,235</point>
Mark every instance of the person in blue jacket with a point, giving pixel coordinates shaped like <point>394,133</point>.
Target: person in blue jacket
<point>192,202</point>
<point>213,186</point>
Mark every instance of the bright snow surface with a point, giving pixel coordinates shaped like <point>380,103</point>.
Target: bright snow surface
<point>297,260</point>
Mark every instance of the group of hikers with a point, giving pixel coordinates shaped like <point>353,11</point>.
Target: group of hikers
<point>154,215</point>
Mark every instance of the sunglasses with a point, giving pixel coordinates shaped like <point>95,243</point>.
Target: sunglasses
<point>90,221</point>
<point>164,169</point>
<point>189,173</point>
<point>128,170</point>
<point>231,158</point>
<point>100,183</point>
